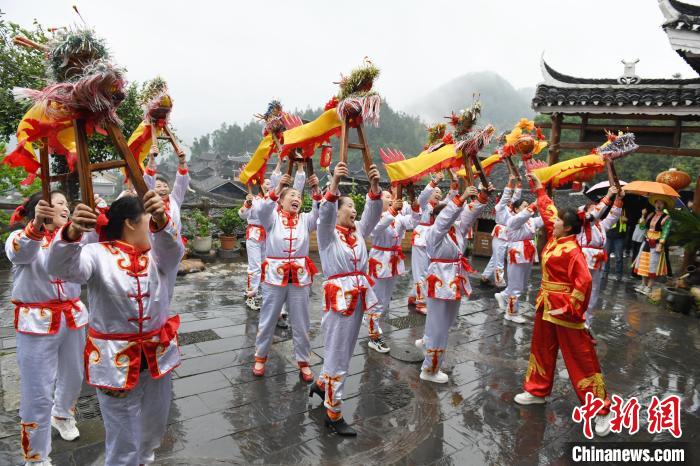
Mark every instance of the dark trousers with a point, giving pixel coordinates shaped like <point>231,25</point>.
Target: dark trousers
<point>617,246</point>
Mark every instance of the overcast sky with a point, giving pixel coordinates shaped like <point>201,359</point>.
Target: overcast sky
<point>225,60</point>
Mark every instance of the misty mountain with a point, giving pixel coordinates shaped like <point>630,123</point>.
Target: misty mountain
<point>502,104</point>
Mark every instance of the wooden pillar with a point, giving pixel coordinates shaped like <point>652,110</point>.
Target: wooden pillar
<point>554,142</point>
<point>582,128</point>
<point>689,256</point>
<point>677,133</point>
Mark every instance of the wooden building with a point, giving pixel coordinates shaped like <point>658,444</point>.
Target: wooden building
<point>662,110</point>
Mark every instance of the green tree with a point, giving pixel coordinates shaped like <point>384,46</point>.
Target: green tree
<point>19,67</point>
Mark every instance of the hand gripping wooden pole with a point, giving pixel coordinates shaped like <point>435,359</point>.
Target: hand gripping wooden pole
<point>45,174</point>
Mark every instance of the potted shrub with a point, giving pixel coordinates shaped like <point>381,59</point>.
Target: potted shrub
<point>229,224</point>
<point>202,232</point>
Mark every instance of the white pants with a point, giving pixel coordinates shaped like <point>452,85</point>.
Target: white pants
<point>383,288</point>
<point>419,267</point>
<point>597,276</point>
<point>518,277</point>
<point>51,376</point>
<point>135,425</point>
<point>339,337</point>
<point>256,254</point>
<point>442,314</point>
<point>297,301</point>
<point>495,266</point>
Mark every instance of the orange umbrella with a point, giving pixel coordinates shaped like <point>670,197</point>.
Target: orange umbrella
<point>646,188</point>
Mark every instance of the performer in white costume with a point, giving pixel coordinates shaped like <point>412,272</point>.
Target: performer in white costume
<point>347,290</point>
<point>173,199</point>
<point>386,261</point>
<point>592,240</point>
<point>287,271</point>
<point>49,321</point>
<point>428,199</point>
<point>255,234</point>
<point>448,276</point>
<point>132,340</point>
<point>499,242</point>
<point>522,253</point>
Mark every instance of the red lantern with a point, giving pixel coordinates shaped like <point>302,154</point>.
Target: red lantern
<point>676,179</point>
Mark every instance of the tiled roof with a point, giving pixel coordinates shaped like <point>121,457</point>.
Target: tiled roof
<point>561,92</point>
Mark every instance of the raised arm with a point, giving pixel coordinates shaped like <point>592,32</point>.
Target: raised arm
<point>613,216</point>
<point>548,211</point>
<point>300,179</point>
<point>518,193</point>
<point>471,212</point>
<point>166,246</point>
<point>327,217</point>
<point>373,203</point>
<point>275,176</point>
<point>521,218</point>
<point>68,259</point>
<point>605,202</point>
<point>446,218</point>
<point>182,182</point>
<point>149,176</point>
<point>410,217</point>
<point>23,246</point>
<point>424,196</point>
<point>316,197</point>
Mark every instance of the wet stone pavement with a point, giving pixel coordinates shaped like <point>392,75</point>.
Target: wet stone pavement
<point>221,414</point>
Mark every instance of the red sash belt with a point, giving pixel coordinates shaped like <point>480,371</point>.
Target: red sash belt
<point>253,226</point>
<point>352,274</point>
<point>528,250</point>
<point>165,333</point>
<point>461,261</point>
<point>396,256</point>
<point>57,307</point>
<point>291,274</point>
<point>600,257</point>
<point>355,294</point>
<point>424,224</point>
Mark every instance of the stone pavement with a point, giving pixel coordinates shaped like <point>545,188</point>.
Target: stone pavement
<point>221,414</point>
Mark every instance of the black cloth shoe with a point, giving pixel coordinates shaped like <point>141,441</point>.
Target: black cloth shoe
<point>317,390</point>
<point>340,427</point>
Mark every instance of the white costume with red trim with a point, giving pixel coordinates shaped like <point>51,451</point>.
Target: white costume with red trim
<point>592,239</point>
<point>386,261</point>
<point>499,242</point>
<point>419,256</point>
<point>132,342</point>
<point>176,198</point>
<point>255,235</point>
<point>347,290</point>
<point>448,274</point>
<point>50,321</point>
<point>522,253</point>
<point>287,274</point>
